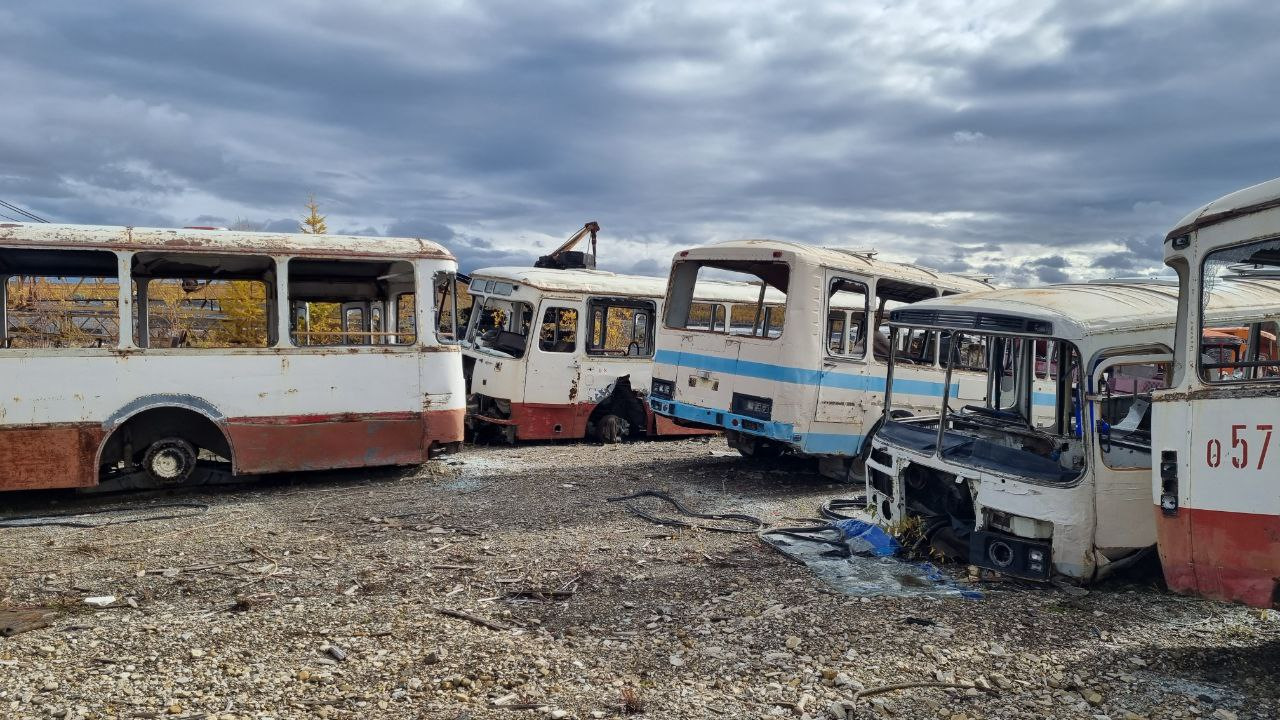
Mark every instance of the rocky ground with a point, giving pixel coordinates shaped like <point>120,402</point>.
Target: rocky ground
<point>499,584</point>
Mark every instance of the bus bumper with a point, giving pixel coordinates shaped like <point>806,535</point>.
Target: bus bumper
<point>725,420</point>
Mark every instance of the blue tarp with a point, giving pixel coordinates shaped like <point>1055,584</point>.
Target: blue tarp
<point>870,568</point>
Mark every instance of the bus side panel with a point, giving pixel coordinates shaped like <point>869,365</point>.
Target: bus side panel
<point>538,421</point>
<point>1224,541</point>
<point>664,427</point>
<point>54,456</point>
<point>316,442</point>
<point>443,427</point>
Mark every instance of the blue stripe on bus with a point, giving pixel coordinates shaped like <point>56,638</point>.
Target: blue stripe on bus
<point>831,444</point>
<point>809,443</point>
<point>798,376</point>
<point>801,376</point>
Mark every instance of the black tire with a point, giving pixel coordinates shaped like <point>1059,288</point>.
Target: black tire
<point>612,429</point>
<point>169,461</point>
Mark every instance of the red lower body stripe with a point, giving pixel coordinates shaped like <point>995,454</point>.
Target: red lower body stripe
<point>1229,556</point>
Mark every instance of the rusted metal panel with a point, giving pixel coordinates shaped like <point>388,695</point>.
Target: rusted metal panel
<point>318,442</point>
<point>443,427</point>
<point>538,421</point>
<point>1228,556</point>
<point>54,235</point>
<point>662,426</point>
<point>50,456</point>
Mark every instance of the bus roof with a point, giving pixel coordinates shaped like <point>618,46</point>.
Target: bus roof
<point>603,282</point>
<point>854,260</point>
<point>1257,198</point>
<point>101,237</point>
<point>1078,310</point>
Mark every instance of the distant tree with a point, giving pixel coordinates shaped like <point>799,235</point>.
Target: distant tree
<point>246,225</point>
<point>313,223</point>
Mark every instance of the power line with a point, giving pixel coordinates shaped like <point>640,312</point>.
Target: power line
<point>20,211</point>
<point>8,217</point>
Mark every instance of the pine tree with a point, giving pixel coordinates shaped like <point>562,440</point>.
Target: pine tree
<point>313,224</point>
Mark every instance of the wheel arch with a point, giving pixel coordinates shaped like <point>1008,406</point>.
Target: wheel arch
<point>195,409</point>
<point>619,398</point>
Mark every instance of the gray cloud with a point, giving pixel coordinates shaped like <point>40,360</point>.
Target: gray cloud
<point>1032,141</point>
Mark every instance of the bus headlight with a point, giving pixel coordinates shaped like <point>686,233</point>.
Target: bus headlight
<point>664,389</point>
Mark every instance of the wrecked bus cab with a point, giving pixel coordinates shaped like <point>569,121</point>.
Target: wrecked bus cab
<point>1049,473</point>
<point>800,369</point>
<point>566,353</point>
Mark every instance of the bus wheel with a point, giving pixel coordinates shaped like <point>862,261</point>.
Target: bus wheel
<point>169,461</point>
<point>612,429</point>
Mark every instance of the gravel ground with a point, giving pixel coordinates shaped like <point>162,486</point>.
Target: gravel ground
<point>326,596</point>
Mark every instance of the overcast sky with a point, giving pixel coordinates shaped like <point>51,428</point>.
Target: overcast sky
<point>1036,141</point>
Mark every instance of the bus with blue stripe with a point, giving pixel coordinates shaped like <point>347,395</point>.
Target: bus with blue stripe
<point>801,370</point>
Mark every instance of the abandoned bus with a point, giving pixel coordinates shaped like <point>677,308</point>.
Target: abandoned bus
<point>1217,486</point>
<point>567,353</point>
<point>1050,473</point>
<point>131,353</point>
<point>804,372</point>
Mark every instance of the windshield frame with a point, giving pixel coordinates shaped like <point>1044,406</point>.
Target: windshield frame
<point>481,303</point>
<point>1067,426</point>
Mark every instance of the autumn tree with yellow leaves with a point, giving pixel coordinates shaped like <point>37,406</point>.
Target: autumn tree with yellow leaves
<point>313,223</point>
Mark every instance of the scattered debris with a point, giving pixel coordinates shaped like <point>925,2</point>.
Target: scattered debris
<point>751,634</point>
<point>85,519</point>
<point>336,652</point>
<point>17,621</point>
<point>472,618</point>
<point>858,558</point>
<point>671,522</point>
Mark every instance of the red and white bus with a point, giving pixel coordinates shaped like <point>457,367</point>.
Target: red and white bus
<point>1217,484</point>
<point>137,352</point>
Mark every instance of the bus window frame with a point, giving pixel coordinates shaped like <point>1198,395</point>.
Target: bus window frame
<point>1250,364</point>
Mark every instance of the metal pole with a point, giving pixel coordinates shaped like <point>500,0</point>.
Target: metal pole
<point>952,351</point>
<point>144,313</point>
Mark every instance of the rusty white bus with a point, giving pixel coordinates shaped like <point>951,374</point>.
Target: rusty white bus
<point>566,353</point>
<point>137,353</point>
<point>1050,473</point>
<point>1217,484</point>
<point>803,372</point>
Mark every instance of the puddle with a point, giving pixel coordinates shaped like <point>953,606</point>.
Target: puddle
<point>858,559</point>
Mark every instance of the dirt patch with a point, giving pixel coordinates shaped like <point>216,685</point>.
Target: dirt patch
<point>505,579</point>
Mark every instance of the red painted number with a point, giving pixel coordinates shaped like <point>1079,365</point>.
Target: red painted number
<point>1239,448</point>
<point>1266,443</point>
<point>1242,444</point>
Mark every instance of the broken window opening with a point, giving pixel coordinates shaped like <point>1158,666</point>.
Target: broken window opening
<point>335,302</point>
<point>198,301</point>
<point>1124,428</point>
<point>1023,429</point>
<point>890,295</point>
<point>1244,349</point>
<point>452,309</point>
<point>501,326</point>
<point>620,327</point>
<point>706,316</point>
<point>763,318</point>
<point>559,331</point>
<point>59,299</point>
<point>847,318</point>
